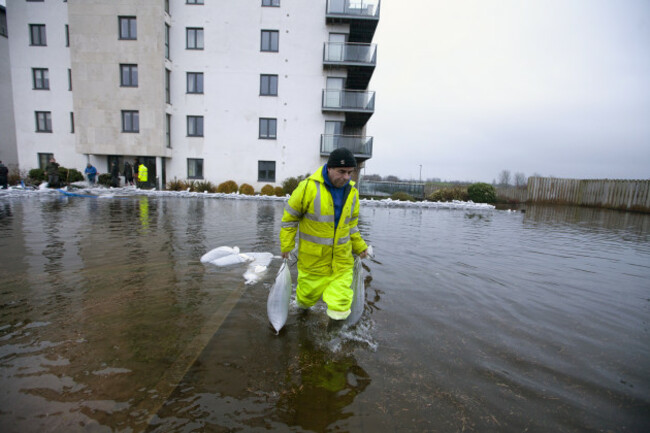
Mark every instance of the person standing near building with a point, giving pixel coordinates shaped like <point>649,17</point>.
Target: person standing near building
<point>142,175</point>
<point>91,173</point>
<point>52,170</point>
<point>324,210</point>
<point>4,175</point>
<point>128,173</point>
<point>115,175</point>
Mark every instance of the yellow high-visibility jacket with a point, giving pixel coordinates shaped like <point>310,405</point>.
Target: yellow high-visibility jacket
<point>323,249</point>
<point>142,173</point>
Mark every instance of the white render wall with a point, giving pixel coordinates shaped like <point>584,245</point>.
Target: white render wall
<point>8,150</point>
<point>231,104</point>
<point>26,101</point>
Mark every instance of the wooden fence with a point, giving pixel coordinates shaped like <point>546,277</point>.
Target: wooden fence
<point>631,195</point>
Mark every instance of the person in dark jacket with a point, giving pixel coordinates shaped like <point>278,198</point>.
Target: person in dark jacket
<point>115,175</point>
<point>52,170</point>
<point>128,173</point>
<point>4,174</point>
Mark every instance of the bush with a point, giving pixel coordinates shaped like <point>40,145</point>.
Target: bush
<point>228,187</point>
<point>402,196</point>
<point>176,185</point>
<point>104,179</point>
<point>37,175</point>
<point>203,186</point>
<point>449,194</point>
<point>268,189</point>
<point>246,189</point>
<point>278,191</point>
<point>482,193</point>
<point>291,183</point>
<point>69,175</point>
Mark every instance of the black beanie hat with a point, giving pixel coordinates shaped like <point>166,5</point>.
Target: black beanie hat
<point>341,157</point>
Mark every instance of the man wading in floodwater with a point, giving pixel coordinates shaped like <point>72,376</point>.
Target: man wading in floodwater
<point>324,208</point>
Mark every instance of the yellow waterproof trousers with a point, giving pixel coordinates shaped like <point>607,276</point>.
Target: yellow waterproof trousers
<point>335,290</point>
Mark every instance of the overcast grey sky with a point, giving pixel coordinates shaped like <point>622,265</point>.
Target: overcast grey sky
<point>468,88</point>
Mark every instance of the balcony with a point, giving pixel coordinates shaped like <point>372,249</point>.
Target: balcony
<point>358,59</point>
<point>360,146</point>
<point>357,105</point>
<point>361,15</point>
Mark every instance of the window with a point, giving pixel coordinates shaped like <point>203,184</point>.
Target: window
<point>275,3</point>
<point>168,80</point>
<point>128,28</point>
<point>167,6</point>
<point>67,35</point>
<point>266,171</point>
<point>195,82</point>
<point>71,122</point>
<point>268,128</point>
<point>194,38</point>
<point>43,121</point>
<point>269,85</point>
<point>130,121</point>
<point>168,131</point>
<point>270,40</point>
<point>44,159</point>
<point>69,79</point>
<point>41,78</point>
<point>129,75</point>
<point>194,2</point>
<point>194,168</point>
<point>195,126</point>
<point>37,35</point>
<point>167,41</point>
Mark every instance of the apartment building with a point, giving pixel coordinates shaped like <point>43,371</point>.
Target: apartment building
<point>253,91</point>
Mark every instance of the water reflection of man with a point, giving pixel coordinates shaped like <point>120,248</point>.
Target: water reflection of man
<point>326,387</point>
<point>324,209</point>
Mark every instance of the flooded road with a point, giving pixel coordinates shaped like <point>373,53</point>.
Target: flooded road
<point>475,321</point>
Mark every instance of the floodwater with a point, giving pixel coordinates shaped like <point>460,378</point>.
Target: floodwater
<point>476,320</point>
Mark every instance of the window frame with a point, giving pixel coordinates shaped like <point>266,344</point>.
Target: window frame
<point>130,68</point>
<point>46,118</point>
<point>44,159</point>
<point>267,171</point>
<point>41,35</point>
<point>193,121</point>
<point>45,81</point>
<point>131,117</point>
<point>265,125</point>
<point>195,81</point>
<point>129,19</point>
<point>195,163</point>
<point>268,47</point>
<point>195,30</point>
<point>267,90</point>
<point>167,44</point>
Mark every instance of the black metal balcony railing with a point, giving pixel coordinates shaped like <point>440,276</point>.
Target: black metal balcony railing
<point>349,100</point>
<point>356,8</point>
<point>360,146</point>
<point>350,53</point>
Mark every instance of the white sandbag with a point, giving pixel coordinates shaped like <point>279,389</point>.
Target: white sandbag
<point>232,259</point>
<point>217,253</point>
<point>277,305</point>
<point>257,267</point>
<point>359,298</point>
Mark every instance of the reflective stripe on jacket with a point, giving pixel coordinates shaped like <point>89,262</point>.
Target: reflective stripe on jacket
<point>323,249</point>
<point>142,173</point>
